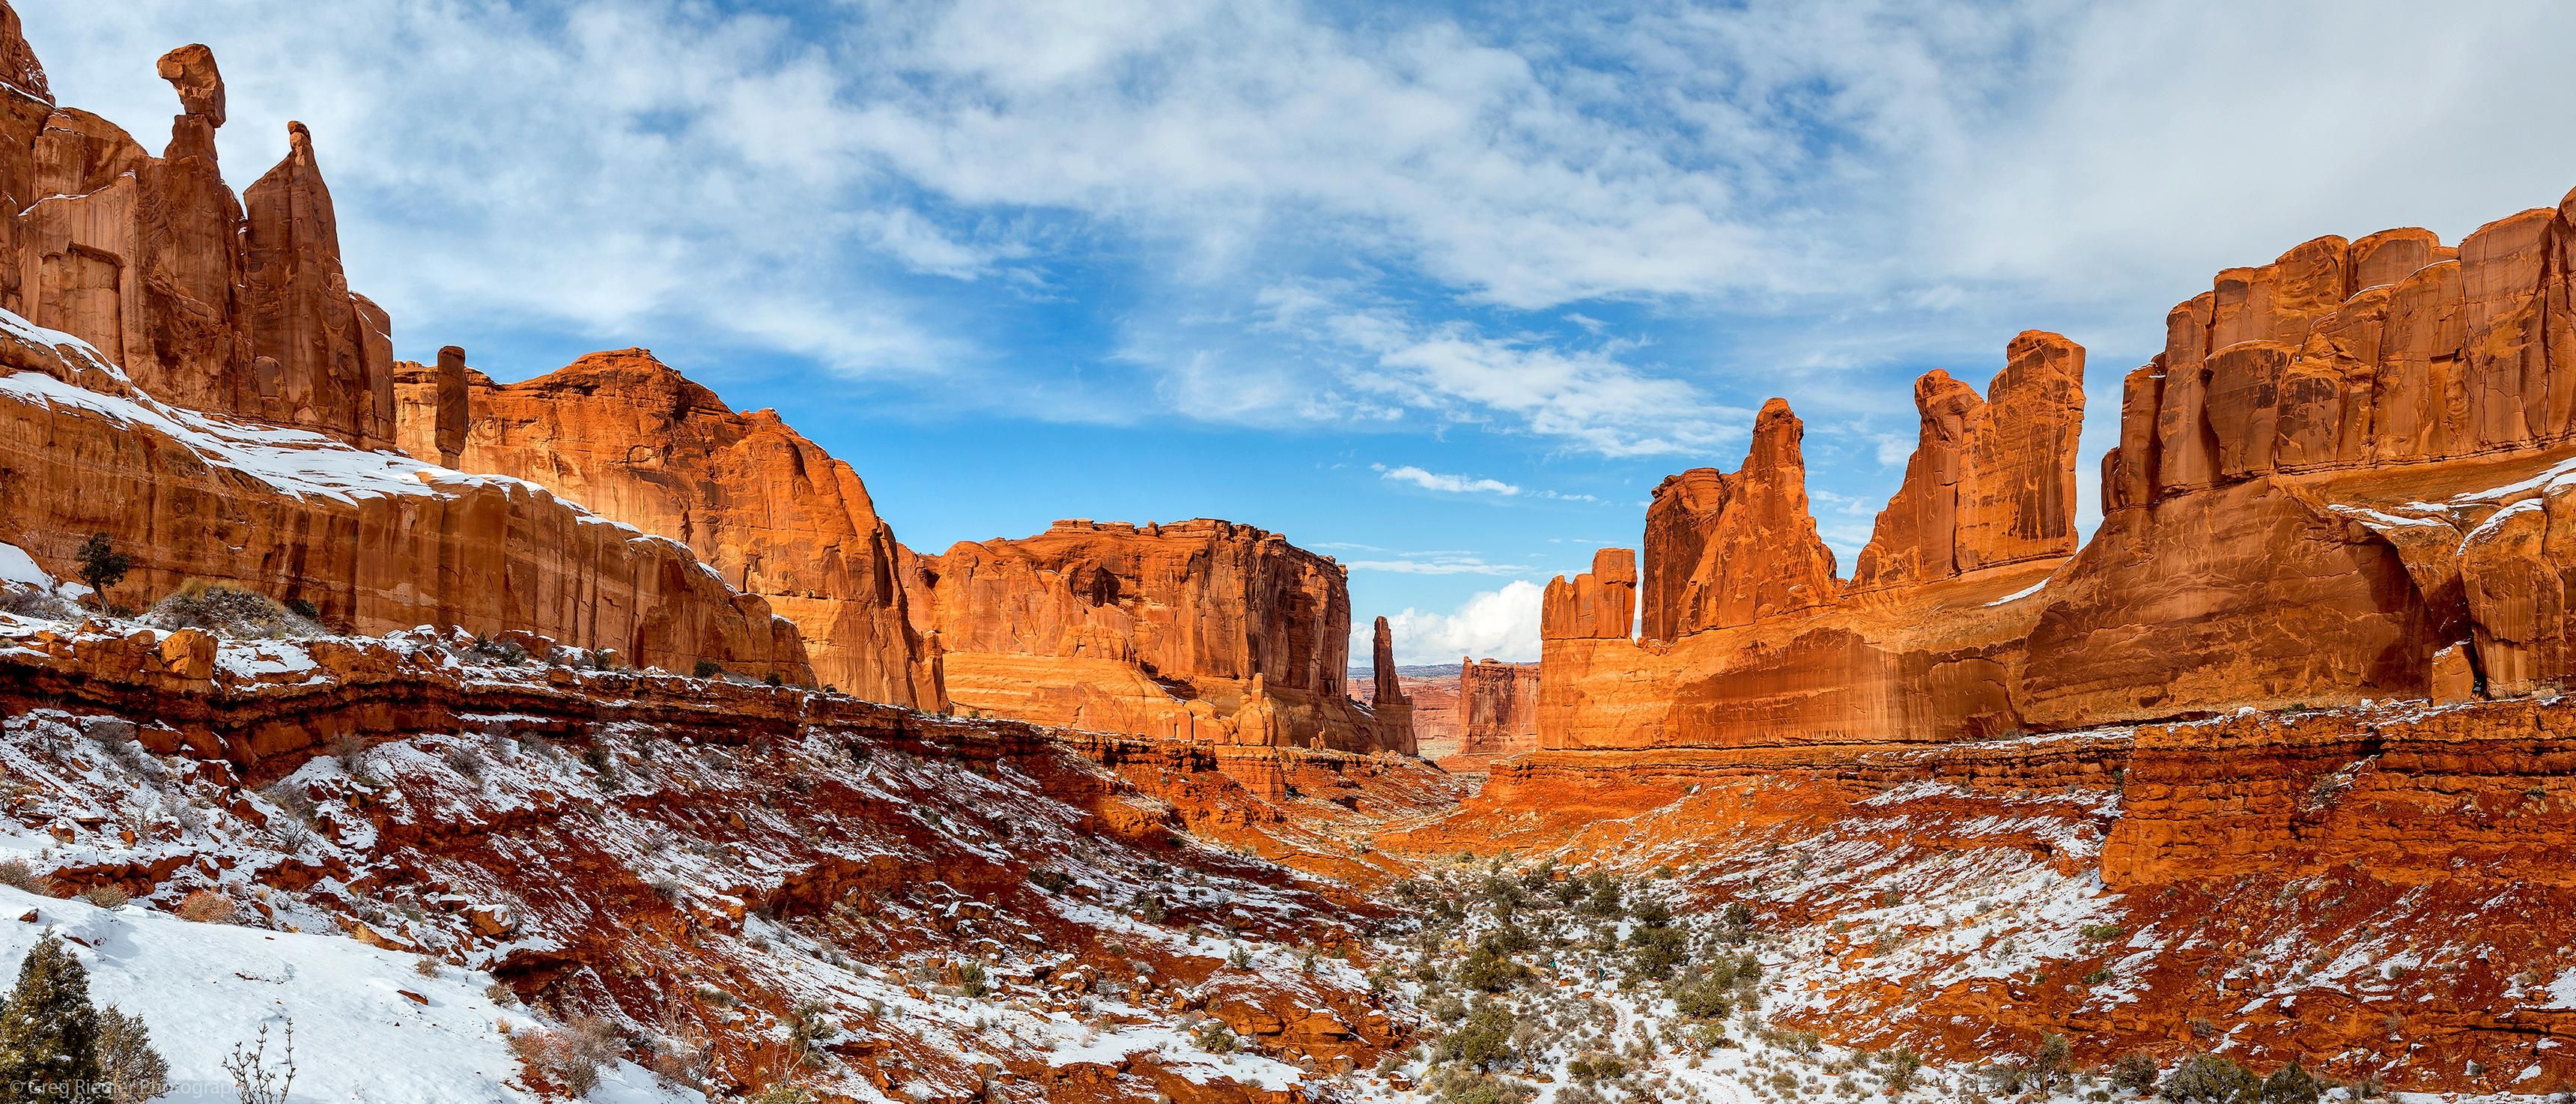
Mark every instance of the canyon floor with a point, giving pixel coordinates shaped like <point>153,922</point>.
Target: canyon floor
<point>551,880</point>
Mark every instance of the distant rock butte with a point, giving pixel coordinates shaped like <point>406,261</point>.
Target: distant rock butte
<point>1500,701</point>
<point>628,436</point>
<point>2350,475</point>
<point>1201,629</point>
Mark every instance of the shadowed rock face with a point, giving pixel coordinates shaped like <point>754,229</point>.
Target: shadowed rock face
<point>1500,704</point>
<point>1727,548</point>
<point>1198,628</point>
<point>2342,480</point>
<point>628,436</point>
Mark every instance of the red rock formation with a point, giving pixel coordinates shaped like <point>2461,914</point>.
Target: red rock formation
<point>1992,480</point>
<point>156,264</point>
<point>373,541</point>
<point>430,408</point>
<point>629,437</point>
<point>1500,701</point>
<point>1600,604</point>
<point>2345,467</point>
<point>1727,549</point>
<point>1202,629</point>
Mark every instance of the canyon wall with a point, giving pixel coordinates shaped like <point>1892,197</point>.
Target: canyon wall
<point>627,436</point>
<point>138,295</point>
<point>1499,702</point>
<point>1199,629</point>
<point>2348,477</point>
<point>231,305</point>
<point>372,541</point>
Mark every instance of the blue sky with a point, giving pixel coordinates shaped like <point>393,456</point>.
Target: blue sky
<point>1440,290</point>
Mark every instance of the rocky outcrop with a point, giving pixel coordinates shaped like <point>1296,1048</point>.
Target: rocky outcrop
<point>628,436</point>
<point>1500,704</point>
<point>430,408</point>
<point>1992,480</point>
<point>2346,478</point>
<point>209,304</point>
<point>1726,549</point>
<point>1201,629</point>
<point>1600,604</point>
<point>371,542</point>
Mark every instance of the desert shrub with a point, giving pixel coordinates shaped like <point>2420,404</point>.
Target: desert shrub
<point>1215,1038</point>
<point>466,762</point>
<point>36,603</point>
<point>1481,1089</point>
<point>500,993</point>
<point>2053,1063</point>
<point>1596,1067</point>
<point>1484,1040</point>
<point>1706,999</point>
<point>206,906</point>
<point>16,874</point>
<point>708,668</point>
<point>2101,933</point>
<point>572,1057</point>
<point>2135,1072</point>
<point>1604,895</point>
<point>1900,1066</point>
<point>2211,1079</point>
<point>2292,1084</point>
<point>230,611</point>
<point>972,981</point>
<point>1488,970</point>
<point>1654,951</point>
<point>106,896</point>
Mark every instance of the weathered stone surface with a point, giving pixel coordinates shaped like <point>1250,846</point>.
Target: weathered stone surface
<point>1204,629</point>
<point>1500,704</point>
<point>296,301</point>
<point>1600,604</point>
<point>1728,549</point>
<point>430,408</point>
<point>374,542</point>
<point>1992,480</point>
<point>629,437</point>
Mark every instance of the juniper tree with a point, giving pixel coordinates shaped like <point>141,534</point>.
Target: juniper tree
<point>49,1032</point>
<point>102,566</point>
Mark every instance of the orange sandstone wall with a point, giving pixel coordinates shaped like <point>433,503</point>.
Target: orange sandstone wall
<point>2351,475</point>
<point>1203,629</point>
<point>1500,704</point>
<point>629,437</point>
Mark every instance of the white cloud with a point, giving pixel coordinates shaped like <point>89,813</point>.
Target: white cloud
<point>1445,484</point>
<point>1493,624</point>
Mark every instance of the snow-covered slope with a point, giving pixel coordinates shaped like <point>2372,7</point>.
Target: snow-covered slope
<point>368,1025</point>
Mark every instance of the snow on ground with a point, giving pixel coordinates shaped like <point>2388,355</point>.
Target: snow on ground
<point>368,1025</point>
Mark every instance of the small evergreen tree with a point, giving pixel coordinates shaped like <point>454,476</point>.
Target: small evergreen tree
<point>135,1072</point>
<point>48,1030</point>
<point>102,566</point>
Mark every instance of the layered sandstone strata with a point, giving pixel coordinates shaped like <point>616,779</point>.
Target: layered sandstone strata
<point>373,541</point>
<point>1730,548</point>
<point>1992,479</point>
<point>628,436</point>
<point>1499,702</point>
<point>2347,477</point>
<point>217,303</point>
<point>1200,629</point>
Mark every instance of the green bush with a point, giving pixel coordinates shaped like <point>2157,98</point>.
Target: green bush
<point>1484,1040</point>
<point>2211,1079</point>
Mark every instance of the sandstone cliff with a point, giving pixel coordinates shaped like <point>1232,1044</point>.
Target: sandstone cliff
<point>1727,549</point>
<point>212,302</point>
<point>1500,704</point>
<point>138,296</point>
<point>629,437</point>
<point>373,541</point>
<point>1992,480</point>
<point>2345,478</point>
<point>1202,629</point>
